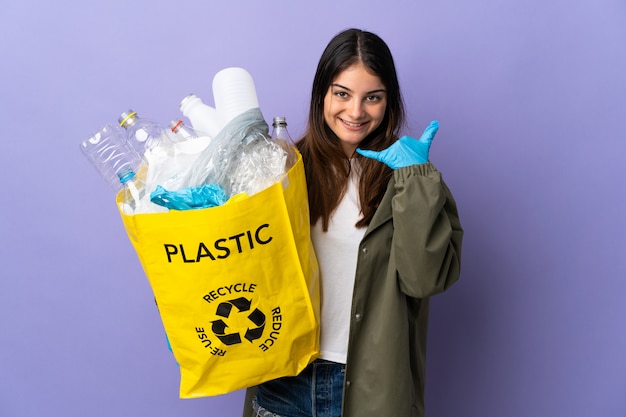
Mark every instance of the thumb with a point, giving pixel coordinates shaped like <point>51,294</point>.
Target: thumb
<point>368,153</point>
<point>429,132</point>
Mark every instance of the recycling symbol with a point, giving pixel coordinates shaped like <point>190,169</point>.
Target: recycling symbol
<point>255,321</point>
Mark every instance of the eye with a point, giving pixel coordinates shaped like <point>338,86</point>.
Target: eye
<point>373,98</point>
<point>341,94</point>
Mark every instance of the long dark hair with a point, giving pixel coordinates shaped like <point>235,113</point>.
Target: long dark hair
<point>325,162</point>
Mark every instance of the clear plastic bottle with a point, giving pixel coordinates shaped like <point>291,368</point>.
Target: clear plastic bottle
<point>109,152</point>
<point>180,132</point>
<point>281,136</point>
<point>142,134</point>
<point>134,190</point>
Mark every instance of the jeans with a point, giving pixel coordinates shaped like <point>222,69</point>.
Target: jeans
<point>316,392</point>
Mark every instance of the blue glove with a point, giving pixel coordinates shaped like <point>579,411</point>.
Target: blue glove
<point>405,151</point>
<point>207,195</point>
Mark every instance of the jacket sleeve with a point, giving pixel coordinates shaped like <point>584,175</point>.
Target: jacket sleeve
<point>247,403</point>
<point>427,237</point>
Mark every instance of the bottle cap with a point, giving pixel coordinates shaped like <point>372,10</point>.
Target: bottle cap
<point>125,174</point>
<point>279,121</point>
<point>175,125</point>
<point>127,116</point>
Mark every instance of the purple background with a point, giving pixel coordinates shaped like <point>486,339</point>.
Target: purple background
<point>531,97</point>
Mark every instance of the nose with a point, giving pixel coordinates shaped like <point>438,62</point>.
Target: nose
<point>355,109</point>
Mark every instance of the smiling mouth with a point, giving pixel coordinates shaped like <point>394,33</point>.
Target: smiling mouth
<point>347,123</point>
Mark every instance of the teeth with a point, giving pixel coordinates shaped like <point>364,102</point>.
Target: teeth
<point>352,124</point>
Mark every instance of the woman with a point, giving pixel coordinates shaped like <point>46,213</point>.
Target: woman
<point>387,236</point>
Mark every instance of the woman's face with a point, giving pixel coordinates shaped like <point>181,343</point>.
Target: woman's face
<point>354,106</point>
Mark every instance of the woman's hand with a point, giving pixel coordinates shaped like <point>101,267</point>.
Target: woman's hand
<point>405,151</point>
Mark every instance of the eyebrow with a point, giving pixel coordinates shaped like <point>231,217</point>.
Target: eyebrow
<point>382,90</point>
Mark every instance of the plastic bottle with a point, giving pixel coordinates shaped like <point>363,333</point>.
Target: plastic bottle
<point>203,117</point>
<point>187,140</point>
<point>109,152</point>
<point>281,136</point>
<point>180,132</point>
<point>142,134</point>
<point>168,166</point>
<point>134,190</point>
<point>234,93</point>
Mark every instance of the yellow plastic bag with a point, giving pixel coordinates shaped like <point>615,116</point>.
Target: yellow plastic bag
<point>237,286</point>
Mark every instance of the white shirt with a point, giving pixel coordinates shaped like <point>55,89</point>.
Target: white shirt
<point>337,251</point>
